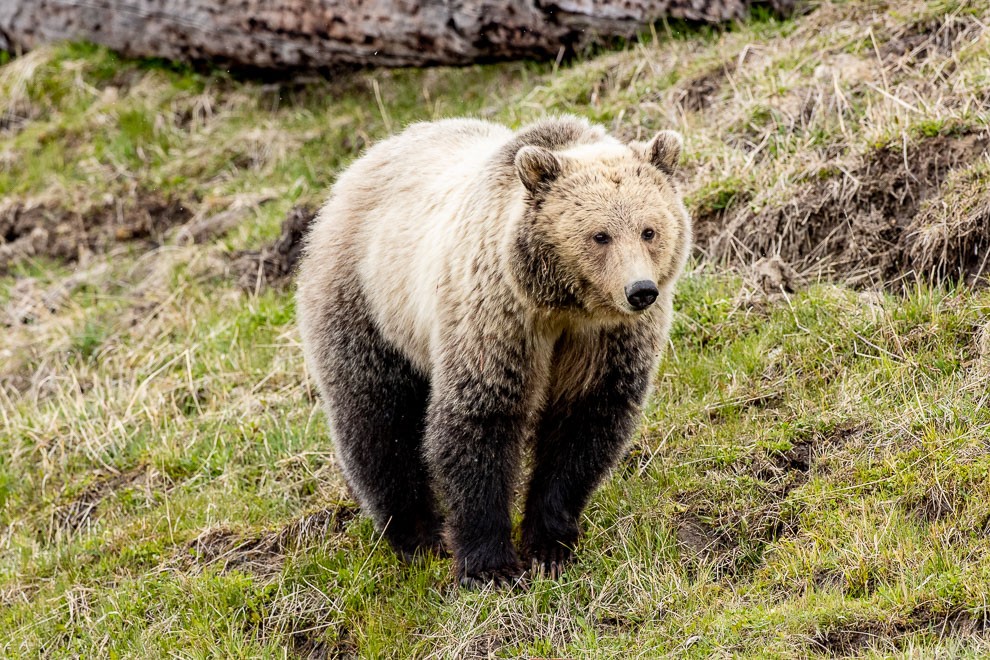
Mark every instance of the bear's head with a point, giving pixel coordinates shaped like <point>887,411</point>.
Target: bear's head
<point>605,229</point>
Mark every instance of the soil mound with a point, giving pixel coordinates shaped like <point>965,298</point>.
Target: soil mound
<point>900,212</point>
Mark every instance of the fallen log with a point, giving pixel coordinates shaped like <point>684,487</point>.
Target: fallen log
<point>313,34</point>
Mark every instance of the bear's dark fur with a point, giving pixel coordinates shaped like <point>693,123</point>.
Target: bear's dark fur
<point>468,293</point>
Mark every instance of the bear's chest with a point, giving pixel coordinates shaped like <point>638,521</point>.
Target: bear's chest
<point>576,364</point>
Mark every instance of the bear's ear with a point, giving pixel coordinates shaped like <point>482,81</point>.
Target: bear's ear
<point>664,150</point>
<point>537,168</point>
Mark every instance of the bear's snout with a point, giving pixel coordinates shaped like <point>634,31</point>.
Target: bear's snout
<point>642,294</point>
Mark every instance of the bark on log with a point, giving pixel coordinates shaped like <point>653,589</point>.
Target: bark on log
<point>294,34</point>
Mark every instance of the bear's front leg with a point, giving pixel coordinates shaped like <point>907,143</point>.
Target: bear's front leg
<point>476,423</point>
<point>578,440</point>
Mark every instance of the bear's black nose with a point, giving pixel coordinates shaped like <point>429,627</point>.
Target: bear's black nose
<point>641,294</point>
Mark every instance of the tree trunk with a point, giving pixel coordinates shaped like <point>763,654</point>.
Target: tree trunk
<point>311,34</point>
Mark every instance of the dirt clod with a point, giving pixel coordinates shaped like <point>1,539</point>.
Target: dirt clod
<point>275,264</point>
<point>701,539</point>
<point>950,236</point>
<point>774,275</point>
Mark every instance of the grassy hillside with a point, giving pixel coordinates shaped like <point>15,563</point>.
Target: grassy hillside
<point>811,476</point>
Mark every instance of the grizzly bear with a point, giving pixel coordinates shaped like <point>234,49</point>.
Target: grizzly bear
<point>468,293</point>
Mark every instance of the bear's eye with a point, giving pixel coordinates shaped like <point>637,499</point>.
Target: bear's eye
<point>602,238</point>
<point>648,234</point>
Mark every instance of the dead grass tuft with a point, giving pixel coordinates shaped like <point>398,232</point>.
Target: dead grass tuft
<point>16,107</point>
<point>307,624</point>
<point>30,303</point>
<point>932,37</point>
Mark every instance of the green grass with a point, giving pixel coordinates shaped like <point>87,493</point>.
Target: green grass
<point>810,474</point>
<point>886,519</point>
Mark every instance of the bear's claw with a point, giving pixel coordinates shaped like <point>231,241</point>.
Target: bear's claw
<point>549,558</point>
<point>552,570</point>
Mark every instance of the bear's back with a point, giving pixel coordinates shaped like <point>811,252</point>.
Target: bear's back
<point>395,224</point>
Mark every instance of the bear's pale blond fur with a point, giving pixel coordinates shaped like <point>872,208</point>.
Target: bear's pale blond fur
<point>486,273</point>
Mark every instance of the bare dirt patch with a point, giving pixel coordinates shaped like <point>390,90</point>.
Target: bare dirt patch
<point>949,502</point>
<point>704,541</point>
<point>259,554</point>
<point>890,635</point>
<point>81,510</point>
<point>732,541</point>
<point>698,92</point>
<point>938,37</point>
<point>935,504</point>
<point>275,264</point>
<point>877,221</point>
<point>263,553</point>
<point>46,229</point>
